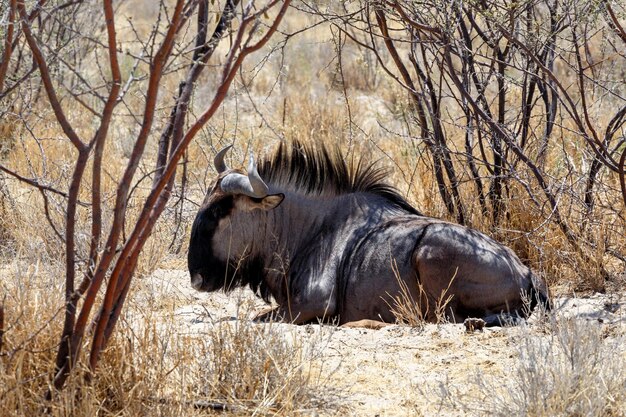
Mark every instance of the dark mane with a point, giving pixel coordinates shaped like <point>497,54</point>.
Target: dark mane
<point>318,171</point>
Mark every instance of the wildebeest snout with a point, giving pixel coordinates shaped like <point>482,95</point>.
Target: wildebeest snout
<point>196,281</point>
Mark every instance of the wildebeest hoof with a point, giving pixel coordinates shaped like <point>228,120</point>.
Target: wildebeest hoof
<point>473,324</point>
<point>366,324</point>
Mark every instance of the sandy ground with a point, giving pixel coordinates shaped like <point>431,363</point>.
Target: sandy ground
<point>394,371</point>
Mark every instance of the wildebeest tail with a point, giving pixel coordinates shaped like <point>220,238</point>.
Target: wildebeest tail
<point>539,293</point>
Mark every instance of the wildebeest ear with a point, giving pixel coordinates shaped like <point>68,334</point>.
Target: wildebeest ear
<point>268,202</point>
<point>271,201</point>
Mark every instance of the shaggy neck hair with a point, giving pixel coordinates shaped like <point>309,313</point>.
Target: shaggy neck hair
<point>310,170</point>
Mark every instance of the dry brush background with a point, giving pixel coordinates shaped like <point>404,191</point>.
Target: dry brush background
<point>507,116</point>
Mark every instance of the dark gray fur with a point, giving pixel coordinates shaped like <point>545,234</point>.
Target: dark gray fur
<point>323,242</point>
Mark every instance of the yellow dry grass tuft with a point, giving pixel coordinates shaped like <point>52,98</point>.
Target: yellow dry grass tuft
<point>416,310</point>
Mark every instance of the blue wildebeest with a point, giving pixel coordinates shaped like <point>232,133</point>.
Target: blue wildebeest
<point>330,240</point>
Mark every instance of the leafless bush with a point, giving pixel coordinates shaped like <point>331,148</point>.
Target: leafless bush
<point>511,103</point>
<point>57,66</point>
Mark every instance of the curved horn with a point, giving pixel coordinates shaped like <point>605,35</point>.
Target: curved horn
<point>251,185</point>
<point>218,161</point>
<point>258,185</point>
<point>235,183</point>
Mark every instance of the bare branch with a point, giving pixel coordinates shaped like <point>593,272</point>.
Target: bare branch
<point>8,44</point>
<point>45,76</point>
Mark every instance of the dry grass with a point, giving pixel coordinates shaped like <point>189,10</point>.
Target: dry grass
<point>150,369</point>
<point>416,310</point>
<point>153,366</point>
<point>573,370</point>
<point>257,369</point>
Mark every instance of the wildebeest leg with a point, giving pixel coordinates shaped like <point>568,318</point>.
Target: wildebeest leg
<point>268,314</point>
<point>278,314</point>
<point>293,315</point>
<point>300,314</point>
<point>312,296</point>
<point>485,278</point>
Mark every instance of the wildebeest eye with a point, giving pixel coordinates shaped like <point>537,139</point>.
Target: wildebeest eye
<point>207,219</point>
<point>220,209</point>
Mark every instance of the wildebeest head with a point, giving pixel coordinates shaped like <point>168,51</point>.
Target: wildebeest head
<point>228,215</point>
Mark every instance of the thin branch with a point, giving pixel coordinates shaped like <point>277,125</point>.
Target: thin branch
<point>615,25</point>
<point>8,43</point>
<point>36,184</point>
<point>47,81</point>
